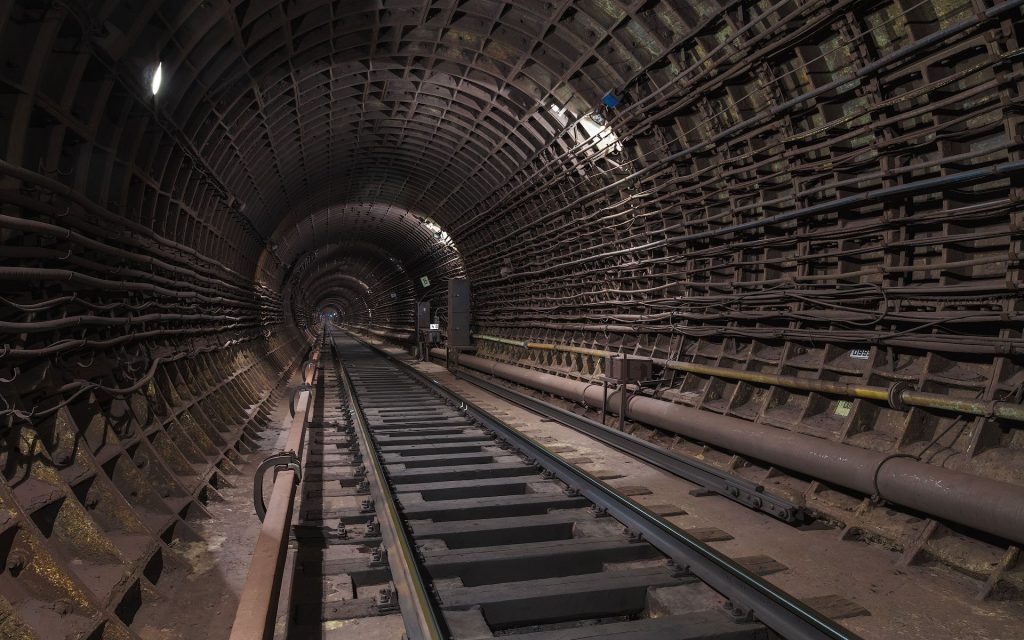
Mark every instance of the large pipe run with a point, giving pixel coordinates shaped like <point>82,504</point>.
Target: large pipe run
<point>909,397</point>
<point>980,503</point>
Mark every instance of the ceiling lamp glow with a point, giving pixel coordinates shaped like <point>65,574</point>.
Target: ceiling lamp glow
<point>601,134</point>
<point>440,235</point>
<point>158,77</point>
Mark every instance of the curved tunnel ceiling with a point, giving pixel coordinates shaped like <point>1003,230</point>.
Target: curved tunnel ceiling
<point>334,112</point>
<point>386,249</point>
<point>427,106</point>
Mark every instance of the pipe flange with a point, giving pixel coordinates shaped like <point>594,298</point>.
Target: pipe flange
<point>583,395</point>
<point>896,395</point>
<point>876,496</point>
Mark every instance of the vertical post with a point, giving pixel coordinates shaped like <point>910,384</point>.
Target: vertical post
<point>622,405</point>
<point>459,314</point>
<point>423,330</point>
<point>604,397</point>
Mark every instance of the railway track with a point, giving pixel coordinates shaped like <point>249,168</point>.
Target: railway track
<point>417,503</point>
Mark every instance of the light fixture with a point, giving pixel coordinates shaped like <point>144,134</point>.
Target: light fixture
<point>158,77</point>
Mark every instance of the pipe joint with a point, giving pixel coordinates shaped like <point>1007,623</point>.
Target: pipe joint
<point>895,395</point>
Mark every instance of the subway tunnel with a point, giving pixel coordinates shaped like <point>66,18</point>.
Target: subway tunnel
<point>777,242</point>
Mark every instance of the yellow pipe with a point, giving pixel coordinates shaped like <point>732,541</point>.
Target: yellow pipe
<point>823,386</point>
<point>990,408</point>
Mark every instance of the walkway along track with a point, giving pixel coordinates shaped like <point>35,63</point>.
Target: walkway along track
<point>477,530</point>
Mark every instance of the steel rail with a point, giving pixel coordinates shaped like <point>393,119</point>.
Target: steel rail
<point>256,615</point>
<point>749,494</point>
<point>423,620</point>
<point>749,594</point>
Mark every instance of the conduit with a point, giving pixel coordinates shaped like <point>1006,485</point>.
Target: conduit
<point>979,503</point>
<point>212,266</point>
<point>894,395</point>
<point>927,185</point>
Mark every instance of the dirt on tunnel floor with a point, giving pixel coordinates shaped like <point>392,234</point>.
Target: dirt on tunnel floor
<point>206,575</point>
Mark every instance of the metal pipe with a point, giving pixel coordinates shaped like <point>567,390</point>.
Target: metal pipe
<point>893,394</point>
<point>980,503</point>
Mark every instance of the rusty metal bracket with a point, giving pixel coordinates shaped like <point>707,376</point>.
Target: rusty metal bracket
<point>279,462</point>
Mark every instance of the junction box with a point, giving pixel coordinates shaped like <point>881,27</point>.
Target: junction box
<point>459,314</point>
<point>625,369</point>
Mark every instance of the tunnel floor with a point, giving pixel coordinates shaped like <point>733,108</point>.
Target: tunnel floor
<point>202,596</point>
<point>915,602</point>
<point>863,585</point>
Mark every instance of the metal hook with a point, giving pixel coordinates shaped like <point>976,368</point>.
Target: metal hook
<point>17,372</point>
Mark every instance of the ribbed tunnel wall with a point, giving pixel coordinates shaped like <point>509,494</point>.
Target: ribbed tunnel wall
<point>827,190</point>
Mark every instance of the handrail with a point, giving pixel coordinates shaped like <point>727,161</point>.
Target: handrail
<point>257,605</point>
